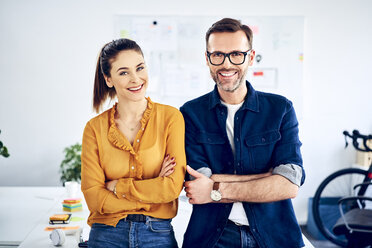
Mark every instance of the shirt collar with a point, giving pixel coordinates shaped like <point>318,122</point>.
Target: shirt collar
<point>250,102</point>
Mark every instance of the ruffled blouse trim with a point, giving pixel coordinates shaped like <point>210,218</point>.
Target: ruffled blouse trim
<point>115,136</point>
<point>120,141</point>
<point>147,113</point>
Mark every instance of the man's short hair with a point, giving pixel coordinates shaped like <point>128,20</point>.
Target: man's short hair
<point>229,25</point>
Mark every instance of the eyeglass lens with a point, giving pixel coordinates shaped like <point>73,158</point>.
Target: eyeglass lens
<point>236,58</point>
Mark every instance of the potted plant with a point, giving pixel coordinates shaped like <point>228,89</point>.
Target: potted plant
<point>70,167</point>
<point>3,150</point>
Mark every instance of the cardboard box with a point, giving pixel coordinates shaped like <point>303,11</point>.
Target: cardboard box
<point>364,158</point>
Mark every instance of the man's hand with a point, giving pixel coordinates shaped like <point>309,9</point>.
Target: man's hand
<point>199,190</point>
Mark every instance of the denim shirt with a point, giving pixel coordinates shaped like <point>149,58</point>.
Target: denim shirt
<point>265,136</point>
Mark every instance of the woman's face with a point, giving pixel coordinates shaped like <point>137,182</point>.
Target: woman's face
<point>128,76</point>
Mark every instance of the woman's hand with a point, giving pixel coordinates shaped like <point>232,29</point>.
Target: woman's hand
<point>167,167</point>
<point>110,185</point>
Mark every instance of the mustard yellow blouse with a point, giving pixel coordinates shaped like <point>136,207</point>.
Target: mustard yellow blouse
<point>108,155</point>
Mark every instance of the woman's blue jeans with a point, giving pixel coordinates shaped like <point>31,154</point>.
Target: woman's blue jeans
<point>128,234</point>
<point>234,236</point>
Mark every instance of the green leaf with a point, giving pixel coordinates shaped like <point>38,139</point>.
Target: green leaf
<point>70,167</point>
<point>4,152</point>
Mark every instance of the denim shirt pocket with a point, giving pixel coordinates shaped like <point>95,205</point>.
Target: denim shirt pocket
<point>260,148</point>
<point>214,149</point>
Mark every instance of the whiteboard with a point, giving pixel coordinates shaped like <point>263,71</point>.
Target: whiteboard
<point>174,48</point>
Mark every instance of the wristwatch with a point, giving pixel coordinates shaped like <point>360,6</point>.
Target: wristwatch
<point>216,193</point>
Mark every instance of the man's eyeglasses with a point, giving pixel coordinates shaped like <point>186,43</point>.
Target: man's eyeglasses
<point>236,57</point>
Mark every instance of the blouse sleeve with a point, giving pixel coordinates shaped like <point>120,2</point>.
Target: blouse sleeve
<point>98,198</point>
<point>160,189</point>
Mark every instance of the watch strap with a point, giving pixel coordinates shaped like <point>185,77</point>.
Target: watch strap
<point>216,185</point>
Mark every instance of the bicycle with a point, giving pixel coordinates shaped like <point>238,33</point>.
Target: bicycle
<point>328,203</point>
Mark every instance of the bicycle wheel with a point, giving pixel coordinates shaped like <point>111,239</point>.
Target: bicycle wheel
<point>325,208</point>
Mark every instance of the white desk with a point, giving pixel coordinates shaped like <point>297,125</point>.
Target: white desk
<point>22,208</point>
<point>38,237</point>
<point>25,211</point>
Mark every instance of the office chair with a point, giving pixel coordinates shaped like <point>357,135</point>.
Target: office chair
<point>356,222</point>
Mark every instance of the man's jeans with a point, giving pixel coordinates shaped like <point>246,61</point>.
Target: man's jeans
<point>127,234</point>
<point>234,236</point>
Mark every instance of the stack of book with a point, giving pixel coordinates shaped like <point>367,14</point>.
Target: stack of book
<point>59,219</point>
<point>72,205</point>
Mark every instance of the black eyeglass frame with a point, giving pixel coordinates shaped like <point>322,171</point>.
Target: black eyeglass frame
<point>228,55</point>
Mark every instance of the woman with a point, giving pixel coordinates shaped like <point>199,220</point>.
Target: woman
<point>133,159</point>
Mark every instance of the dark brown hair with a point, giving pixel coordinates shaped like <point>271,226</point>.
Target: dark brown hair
<point>229,25</point>
<point>107,55</point>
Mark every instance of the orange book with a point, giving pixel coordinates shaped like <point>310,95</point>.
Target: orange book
<point>59,219</point>
<point>51,228</point>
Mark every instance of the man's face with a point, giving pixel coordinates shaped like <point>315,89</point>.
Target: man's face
<point>229,77</point>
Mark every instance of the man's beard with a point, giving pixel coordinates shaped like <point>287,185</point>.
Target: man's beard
<point>240,80</point>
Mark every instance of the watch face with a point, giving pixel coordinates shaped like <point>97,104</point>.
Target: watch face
<point>216,195</point>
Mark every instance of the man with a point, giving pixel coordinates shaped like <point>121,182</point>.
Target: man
<point>249,141</point>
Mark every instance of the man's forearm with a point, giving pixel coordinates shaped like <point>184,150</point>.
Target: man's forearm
<point>265,189</point>
<point>238,178</point>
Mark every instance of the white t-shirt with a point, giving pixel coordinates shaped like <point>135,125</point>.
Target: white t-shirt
<point>237,213</point>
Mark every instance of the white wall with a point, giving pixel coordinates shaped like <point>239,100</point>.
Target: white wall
<point>48,52</point>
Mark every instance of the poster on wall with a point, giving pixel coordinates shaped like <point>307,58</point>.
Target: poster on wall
<point>174,49</point>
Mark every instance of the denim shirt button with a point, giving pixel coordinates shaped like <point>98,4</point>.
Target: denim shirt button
<point>237,139</point>
<point>263,139</point>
